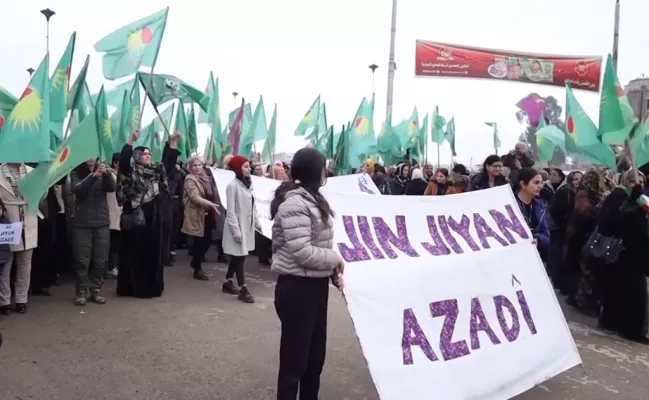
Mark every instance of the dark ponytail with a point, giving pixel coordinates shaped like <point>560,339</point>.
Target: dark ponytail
<point>307,168</point>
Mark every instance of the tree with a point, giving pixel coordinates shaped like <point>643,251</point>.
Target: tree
<point>552,114</point>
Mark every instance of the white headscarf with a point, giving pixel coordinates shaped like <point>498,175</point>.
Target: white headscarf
<point>418,174</point>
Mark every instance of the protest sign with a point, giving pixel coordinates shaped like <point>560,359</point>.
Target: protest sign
<point>448,296</point>
<point>11,233</point>
<point>264,191</point>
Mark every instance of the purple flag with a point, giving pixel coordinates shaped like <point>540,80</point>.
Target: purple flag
<point>234,136</point>
<point>534,106</point>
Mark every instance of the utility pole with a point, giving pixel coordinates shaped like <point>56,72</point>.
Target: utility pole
<point>392,65</point>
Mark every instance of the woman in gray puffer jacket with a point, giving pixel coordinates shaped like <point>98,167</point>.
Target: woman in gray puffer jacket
<point>304,258</point>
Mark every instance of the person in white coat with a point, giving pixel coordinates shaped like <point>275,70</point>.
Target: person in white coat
<point>241,221</point>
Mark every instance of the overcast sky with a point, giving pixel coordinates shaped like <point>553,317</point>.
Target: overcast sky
<point>290,51</point>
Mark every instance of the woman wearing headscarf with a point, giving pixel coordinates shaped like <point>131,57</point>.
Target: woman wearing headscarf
<point>142,189</point>
<point>490,176</point>
<point>550,187</point>
<point>624,283</point>
<point>580,273</point>
<point>441,185</point>
<point>239,232</point>
<point>560,210</point>
<point>305,261</point>
<point>417,184</point>
<point>201,202</point>
<point>397,184</point>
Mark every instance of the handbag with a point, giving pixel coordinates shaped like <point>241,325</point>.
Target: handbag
<point>134,219</point>
<point>603,249</point>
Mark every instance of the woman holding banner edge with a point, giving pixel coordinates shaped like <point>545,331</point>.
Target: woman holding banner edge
<point>305,260</point>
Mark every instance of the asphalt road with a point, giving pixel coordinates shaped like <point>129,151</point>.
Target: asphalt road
<point>196,343</point>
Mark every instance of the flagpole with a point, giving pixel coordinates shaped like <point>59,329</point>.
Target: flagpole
<point>392,65</point>
<point>439,162</point>
<point>616,33</point>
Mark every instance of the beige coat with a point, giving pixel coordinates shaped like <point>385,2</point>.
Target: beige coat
<point>241,219</point>
<point>15,208</point>
<point>195,207</point>
<point>114,210</point>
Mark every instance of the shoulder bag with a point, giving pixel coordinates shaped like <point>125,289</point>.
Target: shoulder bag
<point>603,249</point>
<point>134,219</point>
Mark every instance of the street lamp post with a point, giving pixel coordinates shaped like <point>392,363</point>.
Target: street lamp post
<point>31,71</point>
<point>392,65</point>
<point>235,94</point>
<point>373,67</point>
<point>48,14</point>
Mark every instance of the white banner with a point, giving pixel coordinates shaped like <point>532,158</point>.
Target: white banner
<point>11,233</point>
<point>448,296</point>
<point>264,191</point>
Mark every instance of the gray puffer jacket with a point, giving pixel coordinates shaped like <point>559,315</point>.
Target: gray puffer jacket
<point>302,240</point>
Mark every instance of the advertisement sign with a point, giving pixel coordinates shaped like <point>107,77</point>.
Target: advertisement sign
<point>448,60</point>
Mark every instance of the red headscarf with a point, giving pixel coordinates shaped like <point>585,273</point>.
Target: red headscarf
<point>236,163</point>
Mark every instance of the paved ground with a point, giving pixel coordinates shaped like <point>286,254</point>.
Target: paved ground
<point>195,343</point>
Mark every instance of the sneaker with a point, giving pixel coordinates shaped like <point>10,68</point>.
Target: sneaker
<point>80,300</point>
<point>112,274</point>
<point>97,298</point>
<point>21,308</point>
<point>229,288</point>
<point>5,310</point>
<point>245,296</point>
<point>172,256</point>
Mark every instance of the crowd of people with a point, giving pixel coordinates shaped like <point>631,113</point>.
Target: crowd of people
<point>576,217</point>
<point>128,219</point>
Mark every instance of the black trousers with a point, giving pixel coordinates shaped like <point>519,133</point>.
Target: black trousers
<point>43,273</point>
<point>166,219</point>
<point>200,245</point>
<point>236,267</point>
<point>301,305</point>
<point>177,207</point>
<point>113,254</point>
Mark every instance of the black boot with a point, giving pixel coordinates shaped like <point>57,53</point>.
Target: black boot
<point>229,288</point>
<point>245,295</point>
<point>199,275</point>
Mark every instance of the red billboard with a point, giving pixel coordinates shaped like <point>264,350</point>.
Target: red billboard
<point>449,60</point>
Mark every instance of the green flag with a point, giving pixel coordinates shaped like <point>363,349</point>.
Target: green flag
<point>114,96</point>
<point>437,134</point>
<point>616,117</point>
<point>120,122</point>
<point>203,117</point>
<point>450,135</point>
<point>258,130</point>
<point>496,136</point>
<point>61,84</point>
<point>310,119</point>
<point>191,131</point>
<point>163,88</point>
<point>133,46</point>
<point>82,144</point>
<point>581,139</point>
<point>103,127</point>
<point>181,128</point>
<point>268,152</point>
<point>25,136</point>
<point>361,139</point>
